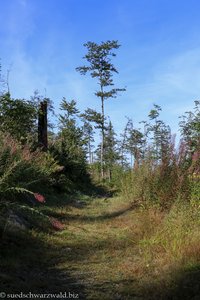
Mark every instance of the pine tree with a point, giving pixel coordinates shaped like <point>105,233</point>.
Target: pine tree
<point>88,134</point>
<point>111,153</point>
<point>160,135</point>
<point>190,129</point>
<point>100,67</point>
<point>134,141</point>
<point>69,145</point>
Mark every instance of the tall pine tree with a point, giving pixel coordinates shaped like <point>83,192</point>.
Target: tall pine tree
<point>100,67</point>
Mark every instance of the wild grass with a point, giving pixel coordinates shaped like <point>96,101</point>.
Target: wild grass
<point>117,252</point>
<point>111,250</point>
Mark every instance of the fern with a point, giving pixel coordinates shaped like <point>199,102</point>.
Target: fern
<point>23,171</point>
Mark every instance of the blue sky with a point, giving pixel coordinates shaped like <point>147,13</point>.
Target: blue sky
<point>41,41</point>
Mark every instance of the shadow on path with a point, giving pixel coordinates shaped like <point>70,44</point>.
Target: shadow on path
<point>28,264</point>
<point>106,216</point>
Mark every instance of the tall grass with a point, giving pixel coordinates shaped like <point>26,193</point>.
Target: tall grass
<point>163,182</point>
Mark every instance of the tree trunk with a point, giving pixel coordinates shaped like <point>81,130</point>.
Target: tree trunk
<point>90,154</point>
<point>136,159</point>
<point>42,126</point>
<point>109,175</point>
<point>102,141</point>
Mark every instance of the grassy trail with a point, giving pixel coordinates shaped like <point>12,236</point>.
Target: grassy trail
<point>108,250</point>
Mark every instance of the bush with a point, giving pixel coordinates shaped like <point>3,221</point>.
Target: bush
<point>23,171</point>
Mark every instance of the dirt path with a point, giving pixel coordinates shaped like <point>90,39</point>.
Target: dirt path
<point>104,252</point>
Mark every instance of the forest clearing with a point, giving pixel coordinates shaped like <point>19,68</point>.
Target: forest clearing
<point>100,150</point>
